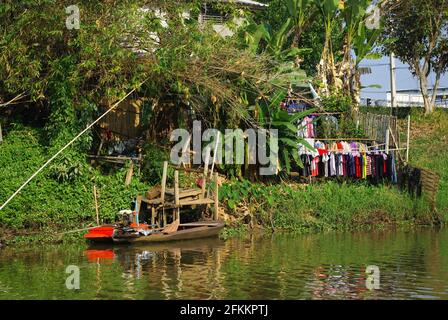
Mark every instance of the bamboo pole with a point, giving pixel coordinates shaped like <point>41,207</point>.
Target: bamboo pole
<point>204,176</point>
<point>138,209</point>
<point>96,206</point>
<point>129,175</point>
<point>408,138</point>
<point>387,140</point>
<point>395,143</point>
<point>216,217</point>
<point>176,195</point>
<point>162,196</point>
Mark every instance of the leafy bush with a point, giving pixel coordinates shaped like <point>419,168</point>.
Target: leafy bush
<point>152,169</point>
<point>337,103</point>
<point>56,204</point>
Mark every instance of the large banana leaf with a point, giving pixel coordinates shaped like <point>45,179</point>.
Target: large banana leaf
<point>364,43</point>
<point>328,7</point>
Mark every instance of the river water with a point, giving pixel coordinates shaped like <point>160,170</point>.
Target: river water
<point>412,265</point>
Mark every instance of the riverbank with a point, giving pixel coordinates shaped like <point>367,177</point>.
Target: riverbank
<point>47,207</point>
<point>351,206</point>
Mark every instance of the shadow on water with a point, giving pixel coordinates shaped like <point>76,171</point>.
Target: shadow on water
<point>413,265</point>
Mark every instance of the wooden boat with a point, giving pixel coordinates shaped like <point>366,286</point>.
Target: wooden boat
<point>143,234</point>
<point>164,205</point>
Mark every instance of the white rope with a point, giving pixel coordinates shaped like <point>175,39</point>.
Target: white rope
<point>62,150</point>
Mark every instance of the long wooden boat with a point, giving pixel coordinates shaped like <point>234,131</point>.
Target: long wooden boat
<point>142,234</point>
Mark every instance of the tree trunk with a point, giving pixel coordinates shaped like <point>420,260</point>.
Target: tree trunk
<point>423,79</point>
<point>435,88</point>
<point>422,72</point>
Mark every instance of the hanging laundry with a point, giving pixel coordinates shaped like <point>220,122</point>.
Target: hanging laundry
<point>306,128</point>
<point>347,160</point>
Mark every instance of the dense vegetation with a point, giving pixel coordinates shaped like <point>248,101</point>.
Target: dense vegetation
<point>55,81</point>
<point>347,206</point>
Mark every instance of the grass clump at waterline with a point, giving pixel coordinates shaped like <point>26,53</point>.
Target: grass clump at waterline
<point>322,207</point>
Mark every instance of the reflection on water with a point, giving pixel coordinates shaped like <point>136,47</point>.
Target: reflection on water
<point>413,265</point>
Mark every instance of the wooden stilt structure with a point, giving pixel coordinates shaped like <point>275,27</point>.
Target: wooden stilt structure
<point>166,205</point>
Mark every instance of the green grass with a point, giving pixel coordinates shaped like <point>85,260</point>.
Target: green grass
<point>330,206</point>
<point>429,150</point>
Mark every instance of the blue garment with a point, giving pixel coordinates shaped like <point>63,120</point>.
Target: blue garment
<point>394,178</point>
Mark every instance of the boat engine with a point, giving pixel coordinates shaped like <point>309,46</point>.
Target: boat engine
<point>127,217</point>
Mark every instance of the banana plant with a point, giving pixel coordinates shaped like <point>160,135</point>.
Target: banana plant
<point>271,116</point>
<point>302,12</point>
<point>329,10</point>
<point>358,37</point>
<point>358,40</point>
<point>259,37</point>
<point>365,42</point>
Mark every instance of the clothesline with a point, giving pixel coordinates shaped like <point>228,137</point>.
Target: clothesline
<point>344,139</point>
<point>399,149</point>
<point>360,165</point>
<point>377,145</point>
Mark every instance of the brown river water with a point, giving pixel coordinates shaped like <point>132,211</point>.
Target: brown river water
<point>412,265</point>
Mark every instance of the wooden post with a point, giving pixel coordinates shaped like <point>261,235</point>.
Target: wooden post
<point>387,140</point>
<point>138,208</point>
<point>153,215</point>
<point>96,206</point>
<point>397,146</point>
<point>1,134</point>
<point>215,151</point>
<point>408,138</point>
<point>140,159</point>
<point>162,196</point>
<point>204,176</point>
<point>216,216</point>
<point>176,195</point>
<point>129,174</point>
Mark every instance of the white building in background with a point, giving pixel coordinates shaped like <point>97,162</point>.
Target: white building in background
<point>413,97</point>
<point>209,14</point>
<point>220,20</point>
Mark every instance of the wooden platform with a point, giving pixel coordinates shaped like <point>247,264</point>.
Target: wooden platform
<point>163,202</point>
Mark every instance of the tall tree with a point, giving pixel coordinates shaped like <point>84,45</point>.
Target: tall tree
<point>417,33</point>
